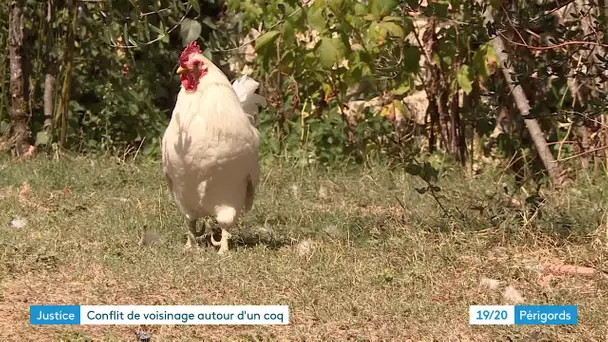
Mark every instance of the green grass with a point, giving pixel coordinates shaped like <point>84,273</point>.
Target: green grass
<point>336,246</point>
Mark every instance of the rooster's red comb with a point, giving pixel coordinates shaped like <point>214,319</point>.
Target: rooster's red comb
<point>188,50</point>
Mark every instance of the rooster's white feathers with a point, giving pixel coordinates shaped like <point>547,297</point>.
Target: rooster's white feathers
<point>210,150</point>
<point>245,88</point>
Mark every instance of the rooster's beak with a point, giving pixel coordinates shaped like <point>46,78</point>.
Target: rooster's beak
<point>180,70</point>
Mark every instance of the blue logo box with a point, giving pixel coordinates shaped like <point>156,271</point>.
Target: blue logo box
<point>546,314</point>
<point>54,314</point>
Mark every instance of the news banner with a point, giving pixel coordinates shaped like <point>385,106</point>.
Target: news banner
<point>267,314</point>
<point>523,314</point>
<point>158,314</point>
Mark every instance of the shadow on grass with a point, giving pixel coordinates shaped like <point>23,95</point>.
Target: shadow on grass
<point>246,240</point>
<point>255,240</point>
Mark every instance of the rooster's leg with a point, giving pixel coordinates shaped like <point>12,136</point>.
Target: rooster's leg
<point>214,242</point>
<point>224,242</point>
<point>225,217</point>
<point>191,235</point>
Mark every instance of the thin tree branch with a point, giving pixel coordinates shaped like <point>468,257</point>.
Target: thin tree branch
<point>552,47</point>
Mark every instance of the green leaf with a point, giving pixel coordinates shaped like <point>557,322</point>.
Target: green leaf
<point>340,47</point>
<point>408,25</point>
<point>208,55</point>
<point>345,44</point>
<point>399,106</point>
<point>360,9</point>
<point>266,39</point>
<point>316,20</point>
<point>496,4</point>
<point>483,56</point>
<point>447,47</point>
<point>381,8</point>
<point>421,191</point>
<point>289,32</point>
<point>282,9</point>
<point>196,5</point>
<point>335,6</point>
<point>413,169</point>
<point>297,17</point>
<point>318,4</point>
<point>125,33</point>
<point>42,138</point>
<point>429,173</point>
<point>354,74</point>
<point>464,79</point>
<point>356,22</point>
<point>376,33</point>
<point>394,29</point>
<point>158,30</point>
<point>401,89</point>
<point>189,31</point>
<point>370,17</point>
<point>392,19</point>
<point>328,53</point>
<point>411,58</point>
<point>209,22</point>
<point>436,9</point>
<point>287,60</point>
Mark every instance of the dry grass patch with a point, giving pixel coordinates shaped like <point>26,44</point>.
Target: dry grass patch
<point>379,274</point>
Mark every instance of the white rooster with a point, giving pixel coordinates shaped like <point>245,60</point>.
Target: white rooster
<point>210,148</point>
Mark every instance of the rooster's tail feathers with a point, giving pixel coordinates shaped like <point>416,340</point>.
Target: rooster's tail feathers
<point>245,88</point>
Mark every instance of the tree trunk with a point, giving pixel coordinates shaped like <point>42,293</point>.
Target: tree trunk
<point>457,131</point>
<point>434,118</point>
<point>444,98</point>
<point>429,39</point>
<point>67,80</point>
<point>20,130</point>
<point>524,109</point>
<point>433,109</point>
<point>49,78</point>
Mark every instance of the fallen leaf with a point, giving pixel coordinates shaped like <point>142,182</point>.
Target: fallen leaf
<point>29,152</point>
<point>569,269</point>
<point>66,191</point>
<point>25,188</point>
<point>514,203</point>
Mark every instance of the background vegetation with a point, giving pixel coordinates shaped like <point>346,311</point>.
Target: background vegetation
<point>346,79</point>
<point>418,157</point>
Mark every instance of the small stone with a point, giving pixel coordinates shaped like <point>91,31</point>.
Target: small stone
<point>492,284</point>
<point>303,247</point>
<point>511,295</point>
<point>18,223</point>
<point>322,192</point>
<point>148,238</point>
<point>332,230</point>
<point>295,190</point>
<point>143,336</point>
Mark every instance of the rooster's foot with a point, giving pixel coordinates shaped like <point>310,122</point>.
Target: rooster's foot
<point>224,242</point>
<point>191,241</point>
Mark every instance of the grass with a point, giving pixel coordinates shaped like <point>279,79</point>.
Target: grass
<point>351,262</point>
